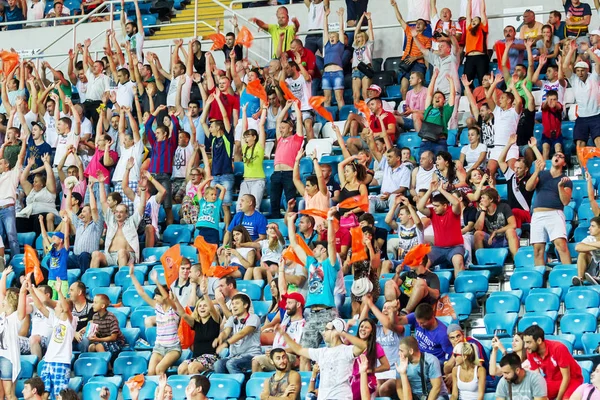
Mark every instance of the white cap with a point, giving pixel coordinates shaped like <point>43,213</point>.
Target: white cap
<point>581,64</point>
<point>595,32</point>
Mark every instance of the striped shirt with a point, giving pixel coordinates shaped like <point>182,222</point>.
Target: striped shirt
<point>162,152</point>
<point>87,238</point>
<point>411,49</point>
<point>167,323</point>
<point>108,325</point>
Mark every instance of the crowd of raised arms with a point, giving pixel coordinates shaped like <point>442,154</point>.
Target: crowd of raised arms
<point>104,163</point>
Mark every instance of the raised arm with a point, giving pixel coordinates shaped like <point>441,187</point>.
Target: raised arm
<point>398,15</point>
<point>138,287</point>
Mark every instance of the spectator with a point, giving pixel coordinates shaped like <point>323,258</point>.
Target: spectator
<point>554,79</point>
<point>413,57</point>
<point>314,193</point>
<point>548,45</point>
<point>474,154</point>
<point>41,328</point>
<point>83,310</point>
<point>552,111</point>
<point>382,125</point>
<point>419,372</point>
<point>230,45</point>
<point>422,175</point>
<point>88,231</point>
<point>438,111</point>
<point>517,381</point>
<point>16,11</point>
<point>588,258</point>
<point>496,226</point>
<point>409,228</point>
<point>281,33</point>
<point>560,370</point>
<point>363,56</point>
<point>443,25</point>
<point>107,336</point>
<point>559,28</point>
<point>198,388</point>
<point>518,348</point>
<point>306,229</point>
<point>476,58</point>
<point>365,269</point>
<point>299,82</point>
<point>37,8</point>
<point>579,16</point>
<point>284,383</point>
<point>586,388</point>
<point>554,191</point>
<point>238,255</point>
<point>531,29</point>
<point>456,335</point>
<point>33,388</point>
<point>133,32</point>
<point>448,242</point>
<point>98,82</point>
<point>209,213</point>
<point>396,177</point>
<point>251,219</point>
<point>333,73</point>
<point>412,114</point>
<point>467,368</point>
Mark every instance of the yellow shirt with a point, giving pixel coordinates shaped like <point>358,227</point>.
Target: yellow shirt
<point>290,34</point>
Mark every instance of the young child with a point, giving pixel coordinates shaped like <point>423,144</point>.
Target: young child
<point>57,368</point>
<point>58,248</point>
<point>12,313</point>
<point>209,213</point>
<point>107,336</point>
<point>552,112</point>
<point>41,327</point>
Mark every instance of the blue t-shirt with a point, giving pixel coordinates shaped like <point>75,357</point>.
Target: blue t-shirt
<point>58,264</point>
<point>321,282</point>
<point>222,151</point>
<point>255,224</point>
<point>13,16</point>
<point>333,53</point>
<point>252,101</point>
<point>434,342</point>
<point>431,369</point>
<point>209,214</point>
<point>547,191</point>
<point>38,151</point>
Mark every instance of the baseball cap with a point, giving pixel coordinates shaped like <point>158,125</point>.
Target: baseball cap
<point>375,88</point>
<point>453,328</point>
<point>581,64</point>
<point>60,235</point>
<point>294,296</point>
<point>39,125</point>
<point>339,325</point>
<point>595,32</point>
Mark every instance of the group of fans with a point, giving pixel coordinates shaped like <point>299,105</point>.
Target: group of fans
<point>93,154</point>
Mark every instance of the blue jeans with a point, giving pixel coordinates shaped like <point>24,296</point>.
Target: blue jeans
<point>81,261</point>
<point>234,365</point>
<point>8,228</point>
<point>434,147</point>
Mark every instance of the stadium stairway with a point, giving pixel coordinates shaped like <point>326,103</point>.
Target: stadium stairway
<point>207,11</point>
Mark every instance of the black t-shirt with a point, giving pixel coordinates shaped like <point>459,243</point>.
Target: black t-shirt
<point>382,233</point>
<point>238,52</point>
<point>497,220</point>
<point>525,127</point>
<point>205,335</point>
<point>332,186</point>
<point>200,64</point>
<point>408,280</point>
<point>84,315</point>
<point>469,215</point>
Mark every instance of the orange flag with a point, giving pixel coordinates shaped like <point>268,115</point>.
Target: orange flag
<point>415,255</point>
<point>287,93</point>
<point>244,37</point>
<point>316,102</point>
<point>585,153</point>
<point>255,88</point>
<point>207,253</point>
<point>185,332</point>
<point>32,264</point>
<point>10,61</point>
<point>361,201</point>
<point>500,47</point>
<point>290,254</point>
<point>358,248</point>
<point>218,40</point>
<point>362,107</point>
<point>171,261</point>
<point>314,212</point>
<point>137,380</point>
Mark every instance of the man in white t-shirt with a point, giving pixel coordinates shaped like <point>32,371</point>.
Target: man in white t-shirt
<point>126,88</point>
<point>335,361</point>
<point>299,82</point>
<point>50,123</point>
<point>133,32</point>
<point>180,71</point>
<point>588,259</point>
<point>68,132</point>
<point>149,224</point>
<point>184,156</point>
<point>316,13</point>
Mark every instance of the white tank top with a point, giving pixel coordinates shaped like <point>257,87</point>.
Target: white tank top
<point>468,390</point>
<point>424,178</point>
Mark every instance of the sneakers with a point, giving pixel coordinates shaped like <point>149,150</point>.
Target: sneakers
<point>577,281</point>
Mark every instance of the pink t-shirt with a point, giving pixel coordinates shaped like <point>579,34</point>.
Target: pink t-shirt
<point>95,165</point>
<point>416,101</point>
<point>80,188</point>
<point>355,379</point>
<point>319,201</point>
<point>287,150</point>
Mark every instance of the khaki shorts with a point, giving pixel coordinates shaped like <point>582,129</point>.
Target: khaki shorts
<point>113,259</point>
<point>267,365</point>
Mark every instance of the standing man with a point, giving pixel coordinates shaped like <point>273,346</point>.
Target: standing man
<point>556,363</point>
<point>97,84</point>
<point>282,33</point>
<point>133,32</point>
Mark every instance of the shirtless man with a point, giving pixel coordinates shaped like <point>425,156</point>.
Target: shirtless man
<point>121,241</point>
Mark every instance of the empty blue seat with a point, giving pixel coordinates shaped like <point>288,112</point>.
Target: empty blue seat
<point>88,367</point>
<point>580,298</point>
<point>540,300</point>
<point>224,389</point>
<point>491,260</point>
<point>542,320</point>
<point>346,110</point>
<point>584,212</point>
<point>462,303</point>
<point>93,278</point>
<point>579,191</point>
<point>524,257</point>
<point>151,335</point>
<point>578,323</point>
<point>103,356</point>
<point>160,272</point>
<point>581,232</point>
<point>130,366</point>
<point>123,279</point>
<point>131,298</point>
<point>115,380</point>
<point>179,383</point>
<point>254,388</point>
<point>157,252</point>
<point>502,191</point>
<point>261,308</point>
<point>92,390</point>
<point>252,290</point>
<point>26,238</point>
<point>28,363</point>
<point>113,292</point>
<point>175,234</point>
<point>561,278</point>
<point>501,325</point>
<point>472,282</point>
<point>131,336</point>
<point>502,302</point>
<point>525,280</point>
<point>190,252</point>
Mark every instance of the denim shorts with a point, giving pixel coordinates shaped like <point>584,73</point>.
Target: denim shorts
<point>443,255</point>
<point>409,124</point>
<point>227,182</point>
<point>356,74</point>
<point>333,80</point>
<point>552,142</point>
<point>163,350</point>
<point>6,369</point>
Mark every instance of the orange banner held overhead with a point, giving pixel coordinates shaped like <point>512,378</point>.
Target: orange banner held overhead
<point>500,48</point>
<point>290,254</point>
<point>585,153</point>
<point>32,264</point>
<point>361,201</point>
<point>359,252</point>
<point>218,40</point>
<point>207,252</point>
<point>255,88</point>
<point>171,261</point>
<point>316,102</point>
<point>314,212</point>
<point>414,257</point>
<point>244,37</point>
<point>287,93</point>
<point>10,61</point>
<point>362,107</point>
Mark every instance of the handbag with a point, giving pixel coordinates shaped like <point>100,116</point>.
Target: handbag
<point>430,131</point>
<point>349,221</point>
<point>404,65</point>
<point>366,69</point>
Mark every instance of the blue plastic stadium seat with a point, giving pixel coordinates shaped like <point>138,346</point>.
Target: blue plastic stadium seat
<point>28,363</point>
<point>252,290</point>
<point>525,280</point>
<point>502,191</point>
<point>92,278</point>
<point>581,232</point>
<point>113,292</point>
<point>131,298</point>
<point>138,317</point>
<point>524,257</point>
<point>88,367</point>
<point>254,388</point>
<point>154,251</point>
<point>581,298</point>
<point>542,320</point>
<point>26,238</point>
<point>346,110</point>
<point>472,282</point>
<point>490,260</point>
<point>115,380</point>
<point>190,252</point>
<point>584,212</point>
<point>160,271</point>
<point>179,383</point>
<point>129,366</point>
<point>543,301</point>
<point>261,308</point>
<point>578,323</point>
<point>103,356</point>
<point>224,389</point>
<point>462,303</point>
<point>131,336</point>
<point>123,279</point>
<point>501,325</point>
<point>146,392</point>
<point>151,335</point>
<point>501,302</point>
<point>92,390</point>
<point>175,234</point>
<point>409,139</point>
<point>561,278</point>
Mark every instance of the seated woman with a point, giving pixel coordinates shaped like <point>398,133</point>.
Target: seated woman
<point>473,155</point>
<point>239,256</point>
<point>468,377</point>
<point>271,249</point>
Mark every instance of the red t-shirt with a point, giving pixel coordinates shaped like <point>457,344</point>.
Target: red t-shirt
<point>309,60</point>
<point>552,120</point>
<point>230,102</point>
<point>446,229</point>
<point>342,238</point>
<point>557,357</point>
<point>388,120</point>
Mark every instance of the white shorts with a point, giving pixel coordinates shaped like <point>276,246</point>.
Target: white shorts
<point>547,225</point>
<point>391,374</point>
<point>494,152</point>
<point>252,124</point>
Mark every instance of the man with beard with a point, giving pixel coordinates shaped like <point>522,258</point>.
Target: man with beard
<point>283,383</point>
<point>517,383</point>
<point>294,322</point>
<point>482,115</point>
<point>555,362</point>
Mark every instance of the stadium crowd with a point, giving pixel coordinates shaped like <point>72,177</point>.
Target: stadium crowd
<point>92,158</point>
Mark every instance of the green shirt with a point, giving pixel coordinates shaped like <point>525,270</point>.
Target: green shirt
<point>253,162</point>
<point>290,34</point>
<point>434,116</point>
<point>11,154</point>
<point>519,87</point>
